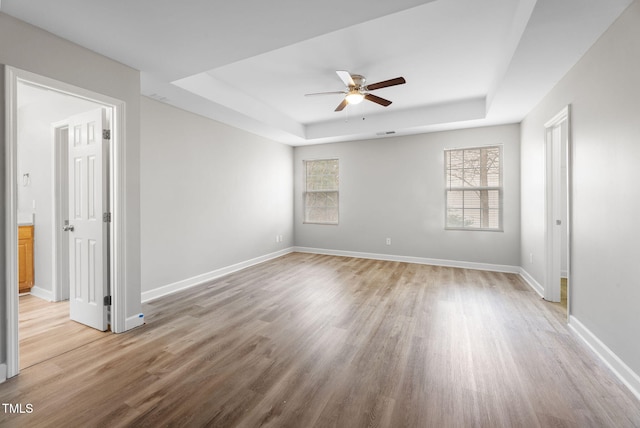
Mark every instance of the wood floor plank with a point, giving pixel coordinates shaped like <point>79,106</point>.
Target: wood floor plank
<point>322,341</point>
<point>46,331</point>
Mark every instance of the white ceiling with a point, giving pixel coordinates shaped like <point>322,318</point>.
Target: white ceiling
<point>249,63</point>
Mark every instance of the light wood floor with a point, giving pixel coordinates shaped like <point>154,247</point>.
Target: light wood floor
<point>46,331</point>
<point>321,341</point>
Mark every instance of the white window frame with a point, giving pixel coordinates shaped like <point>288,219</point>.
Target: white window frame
<point>305,220</point>
<point>463,188</point>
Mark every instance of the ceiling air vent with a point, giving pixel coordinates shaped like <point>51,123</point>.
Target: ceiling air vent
<point>158,98</point>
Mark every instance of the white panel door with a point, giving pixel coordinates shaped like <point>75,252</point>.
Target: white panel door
<point>88,269</point>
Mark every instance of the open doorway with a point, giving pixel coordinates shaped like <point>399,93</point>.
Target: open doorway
<point>43,118</point>
<point>557,148</point>
<point>111,302</point>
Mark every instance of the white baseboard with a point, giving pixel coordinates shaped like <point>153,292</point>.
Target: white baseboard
<point>619,368</point>
<point>411,259</point>
<point>133,322</point>
<point>42,293</point>
<point>164,290</point>
<point>532,282</point>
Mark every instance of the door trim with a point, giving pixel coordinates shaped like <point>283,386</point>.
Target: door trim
<point>552,287</point>
<point>116,200</point>
<point>60,248</point>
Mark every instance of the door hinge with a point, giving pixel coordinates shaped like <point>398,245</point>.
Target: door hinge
<point>107,300</point>
<point>106,134</point>
<point>106,217</point>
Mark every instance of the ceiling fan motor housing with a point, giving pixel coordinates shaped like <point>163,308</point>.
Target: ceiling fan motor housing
<point>358,80</point>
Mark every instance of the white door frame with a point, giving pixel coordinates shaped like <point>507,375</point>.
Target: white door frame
<point>553,203</point>
<point>60,207</point>
<point>13,76</point>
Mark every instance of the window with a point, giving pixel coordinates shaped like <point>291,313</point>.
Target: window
<point>474,188</point>
<point>321,191</point>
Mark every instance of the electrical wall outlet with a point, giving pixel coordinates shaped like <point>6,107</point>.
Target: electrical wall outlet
<point>388,241</point>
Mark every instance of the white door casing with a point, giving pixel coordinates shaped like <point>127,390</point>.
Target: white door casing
<point>60,213</point>
<point>117,227</point>
<point>557,189</point>
<point>88,233</point>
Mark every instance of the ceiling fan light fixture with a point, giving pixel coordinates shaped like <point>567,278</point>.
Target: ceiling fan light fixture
<point>356,91</point>
<point>354,97</point>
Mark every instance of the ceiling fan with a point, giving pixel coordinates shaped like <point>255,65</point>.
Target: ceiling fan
<point>357,91</point>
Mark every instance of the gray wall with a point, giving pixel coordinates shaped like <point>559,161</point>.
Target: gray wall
<point>603,89</point>
<point>35,50</point>
<point>394,187</point>
<point>212,195</point>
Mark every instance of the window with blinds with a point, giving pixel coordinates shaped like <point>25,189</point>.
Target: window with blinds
<point>473,192</point>
<point>321,191</point>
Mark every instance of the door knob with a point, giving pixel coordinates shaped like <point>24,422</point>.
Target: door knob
<point>68,228</point>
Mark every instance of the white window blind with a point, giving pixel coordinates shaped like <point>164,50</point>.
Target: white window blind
<point>474,188</point>
<point>321,191</point>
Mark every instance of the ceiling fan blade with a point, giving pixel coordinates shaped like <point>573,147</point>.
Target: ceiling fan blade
<point>386,83</point>
<point>377,100</point>
<point>325,93</point>
<point>342,105</point>
<point>345,76</point>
